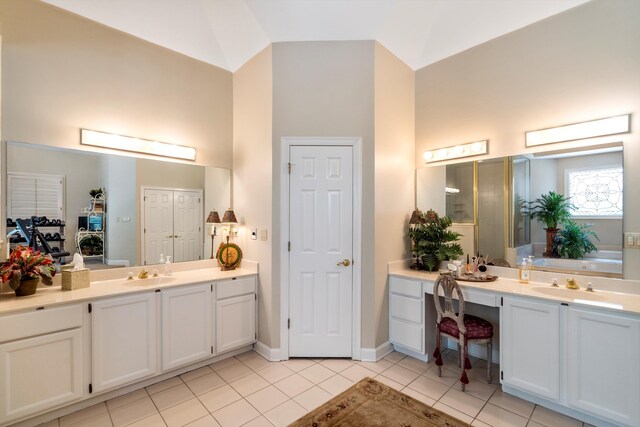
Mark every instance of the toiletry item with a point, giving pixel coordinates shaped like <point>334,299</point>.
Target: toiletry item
<point>523,271</point>
<point>468,266</point>
<point>161,259</point>
<point>167,266</point>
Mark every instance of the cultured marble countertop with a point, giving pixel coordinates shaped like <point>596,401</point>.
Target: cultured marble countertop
<point>54,295</point>
<point>504,286</point>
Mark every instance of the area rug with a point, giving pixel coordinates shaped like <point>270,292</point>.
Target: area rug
<point>370,403</point>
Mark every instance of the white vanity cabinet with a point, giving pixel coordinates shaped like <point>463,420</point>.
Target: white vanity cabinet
<point>235,308</point>
<point>186,325</point>
<point>40,360</point>
<point>603,369</point>
<point>124,340</point>
<point>530,346</point>
<point>406,315</point>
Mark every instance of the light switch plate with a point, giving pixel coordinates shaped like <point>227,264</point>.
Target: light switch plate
<point>632,240</point>
<point>263,235</point>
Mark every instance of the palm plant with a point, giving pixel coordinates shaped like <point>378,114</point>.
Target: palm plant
<point>551,209</point>
<point>573,240</point>
<point>433,241</point>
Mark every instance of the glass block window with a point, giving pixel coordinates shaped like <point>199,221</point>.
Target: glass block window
<point>596,192</point>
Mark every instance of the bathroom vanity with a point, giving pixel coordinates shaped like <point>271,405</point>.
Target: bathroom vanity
<point>59,349</point>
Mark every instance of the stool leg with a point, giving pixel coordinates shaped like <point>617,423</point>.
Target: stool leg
<point>489,363</point>
<point>459,355</point>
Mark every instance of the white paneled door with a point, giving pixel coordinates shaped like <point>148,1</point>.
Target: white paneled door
<point>321,273</point>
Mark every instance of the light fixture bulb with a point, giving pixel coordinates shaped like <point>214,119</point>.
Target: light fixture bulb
<point>427,155</point>
<point>442,153</point>
<point>458,150</point>
<point>476,147</point>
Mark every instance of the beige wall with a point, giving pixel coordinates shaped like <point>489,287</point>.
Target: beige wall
<point>61,72</point>
<point>394,180</point>
<point>252,179</point>
<point>575,66</point>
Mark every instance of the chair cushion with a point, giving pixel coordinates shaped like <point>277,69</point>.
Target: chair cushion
<point>477,328</point>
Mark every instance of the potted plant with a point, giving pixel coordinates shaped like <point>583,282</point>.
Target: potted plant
<point>551,209</point>
<point>25,268</point>
<point>433,241</point>
<point>573,240</point>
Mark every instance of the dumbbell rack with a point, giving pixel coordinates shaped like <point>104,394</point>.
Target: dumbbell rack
<point>17,240</point>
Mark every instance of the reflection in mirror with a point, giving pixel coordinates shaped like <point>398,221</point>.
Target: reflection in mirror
<point>147,208</point>
<point>485,199</point>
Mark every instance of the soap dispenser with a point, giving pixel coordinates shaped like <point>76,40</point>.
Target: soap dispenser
<point>167,266</point>
<point>523,271</point>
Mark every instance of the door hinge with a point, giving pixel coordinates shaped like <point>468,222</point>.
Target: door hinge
<point>255,297</point>
<point>90,308</point>
<point>501,375</point>
<point>211,288</point>
<point>289,167</point>
<point>145,230</point>
<point>288,246</point>
<point>256,335</point>
<point>90,388</point>
<point>288,323</point>
<point>211,349</point>
<point>501,301</point>
<point>145,198</point>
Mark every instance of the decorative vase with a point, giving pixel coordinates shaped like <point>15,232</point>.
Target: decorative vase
<point>551,237</point>
<point>27,287</point>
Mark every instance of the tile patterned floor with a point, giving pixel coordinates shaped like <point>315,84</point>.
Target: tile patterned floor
<point>247,390</point>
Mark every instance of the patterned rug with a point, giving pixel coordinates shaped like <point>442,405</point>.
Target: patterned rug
<point>370,403</point>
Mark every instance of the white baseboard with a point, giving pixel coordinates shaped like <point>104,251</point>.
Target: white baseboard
<point>120,262</point>
<point>375,354</point>
<point>271,354</point>
<point>414,354</point>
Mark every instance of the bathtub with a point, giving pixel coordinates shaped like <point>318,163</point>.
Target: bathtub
<point>589,266</point>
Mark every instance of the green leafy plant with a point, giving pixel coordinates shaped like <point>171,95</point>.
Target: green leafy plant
<point>25,263</point>
<point>432,240</point>
<point>96,192</point>
<point>574,240</point>
<point>551,209</point>
<point>91,245</point>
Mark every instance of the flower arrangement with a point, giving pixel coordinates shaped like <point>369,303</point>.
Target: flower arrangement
<point>25,263</point>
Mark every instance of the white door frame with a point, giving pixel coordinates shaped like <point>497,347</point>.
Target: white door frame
<point>144,188</point>
<point>285,144</point>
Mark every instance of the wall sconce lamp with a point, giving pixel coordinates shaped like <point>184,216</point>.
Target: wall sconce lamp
<point>136,145</point>
<point>213,219</point>
<point>465,150</point>
<point>590,129</point>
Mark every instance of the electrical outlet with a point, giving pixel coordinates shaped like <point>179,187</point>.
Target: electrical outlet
<point>263,235</point>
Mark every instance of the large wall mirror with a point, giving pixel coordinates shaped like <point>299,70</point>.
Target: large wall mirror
<point>485,200</point>
<point>146,207</point>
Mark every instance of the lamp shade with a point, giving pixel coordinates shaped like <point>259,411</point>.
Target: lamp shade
<point>229,217</point>
<point>416,217</point>
<point>213,217</point>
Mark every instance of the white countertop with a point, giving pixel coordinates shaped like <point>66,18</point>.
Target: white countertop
<point>54,295</point>
<point>606,299</point>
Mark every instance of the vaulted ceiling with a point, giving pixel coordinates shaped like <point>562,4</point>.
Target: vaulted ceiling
<point>227,33</point>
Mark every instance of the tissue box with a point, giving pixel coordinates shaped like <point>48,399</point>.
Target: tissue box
<point>75,279</point>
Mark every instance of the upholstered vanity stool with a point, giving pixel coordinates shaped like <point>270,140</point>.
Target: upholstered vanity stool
<point>460,327</point>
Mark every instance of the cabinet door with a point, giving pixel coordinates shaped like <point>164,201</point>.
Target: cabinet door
<point>124,341</point>
<point>235,322</point>
<point>40,373</point>
<point>530,346</point>
<point>186,325</point>
<point>406,314</point>
<point>603,372</point>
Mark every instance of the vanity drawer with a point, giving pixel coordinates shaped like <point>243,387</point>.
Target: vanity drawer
<point>410,288</point>
<point>234,287</point>
<point>38,322</point>
<point>409,309</point>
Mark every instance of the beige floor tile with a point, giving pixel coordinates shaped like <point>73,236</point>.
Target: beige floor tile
<point>102,420</point>
<point>477,388</point>
<point>478,423</point>
<point>400,374</point>
<point>336,385</point>
<point>184,413</point>
<point>453,412</point>
<point>414,364</point>
<point>234,372</point>
<point>247,355</point>
<point>312,398</point>
<point>394,357</point>
<point>52,423</point>
<point>293,385</point>
<point>83,414</point>
<point>192,375</point>
<point>297,365</point>
<point>285,414</point>
<point>172,396</point>
<point>429,387</point>
<point>259,422</point>
<point>154,420</point>
<point>463,402</point>
<point>275,372</point>
<point>497,417</point>
<point>219,398</point>
<point>236,414</point>
<point>116,402</point>
<point>512,403</point>
<point>378,367</point>
<point>132,412</point>
<point>255,361</point>
<point>534,424</point>
<point>419,396</point>
<point>205,383</point>
<point>163,385</point>
<point>449,377</point>
<point>391,383</point>
<point>551,418</point>
<point>337,365</point>
<point>249,384</point>
<point>357,372</point>
<point>267,399</point>
<point>206,421</point>
<point>225,363</point>
<point>317,373</point>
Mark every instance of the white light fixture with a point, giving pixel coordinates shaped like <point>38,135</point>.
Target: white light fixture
<point>590,129</point>
<point>136,145</point>
<point>464,150</point>
<point>451,190</point>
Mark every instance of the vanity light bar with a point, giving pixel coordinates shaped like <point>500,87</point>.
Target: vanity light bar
<point>136,145</point>
<point>458,151</point>
<point>590,129</point>
<point>451,190</point>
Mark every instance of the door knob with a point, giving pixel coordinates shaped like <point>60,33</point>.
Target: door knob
<point>345,262</point>
<point>170,236</point>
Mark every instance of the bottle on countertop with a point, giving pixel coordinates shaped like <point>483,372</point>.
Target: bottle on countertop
<point>167,266</point>
<point>523,271</point>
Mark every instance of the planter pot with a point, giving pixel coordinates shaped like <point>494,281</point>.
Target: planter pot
<point>551,236</point>
<point>27,287</point>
